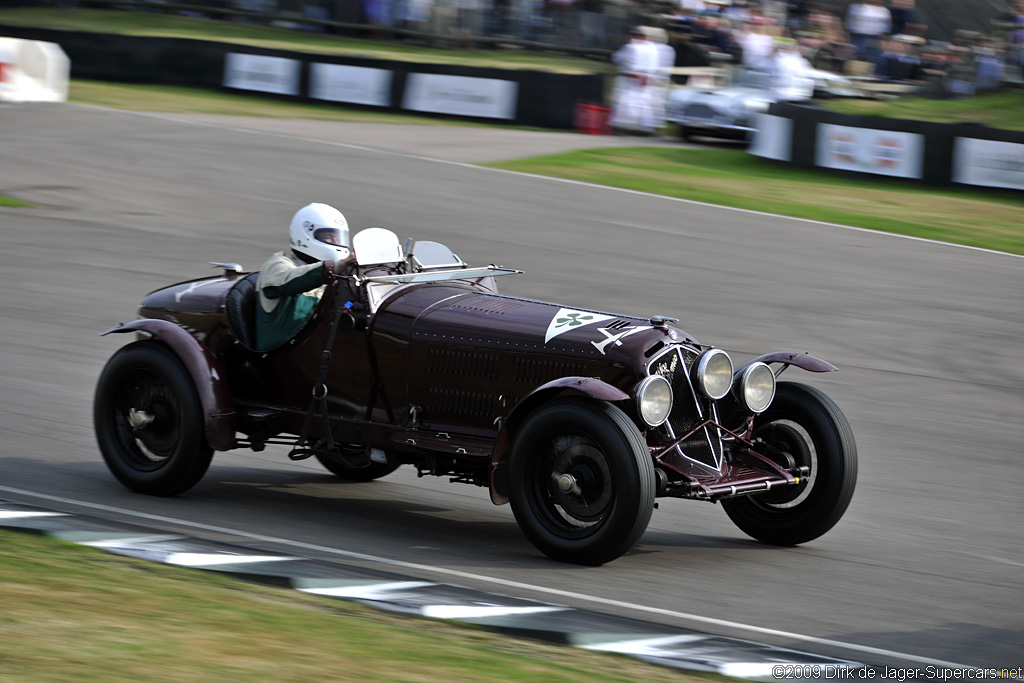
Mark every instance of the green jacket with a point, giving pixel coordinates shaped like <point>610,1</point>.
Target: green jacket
<point>289,290</point>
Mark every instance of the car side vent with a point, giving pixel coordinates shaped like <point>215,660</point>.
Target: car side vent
<point>617,325</point>
<point>654,349</point>
<point>487,304</point>
<point>466,363</point>
<point>535,371</point>
<point>464,403</point>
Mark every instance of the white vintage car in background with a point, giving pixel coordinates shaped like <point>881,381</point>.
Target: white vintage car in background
<point>725,102</point>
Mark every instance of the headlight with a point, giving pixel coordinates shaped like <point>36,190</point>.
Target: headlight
<point>714,374</point>
<point>654,400</point>
<point>757,387</point>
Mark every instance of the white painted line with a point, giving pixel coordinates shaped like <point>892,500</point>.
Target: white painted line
<point>591,599</point>
<point>130,541</point>
<point>373,591</point>
<point>748,670</point>
<point>220,559</point>
<point>667,647</point>
<point>581,183</point>
<point>644,646</point>
<point>481,611</point>
<point>17,514</point>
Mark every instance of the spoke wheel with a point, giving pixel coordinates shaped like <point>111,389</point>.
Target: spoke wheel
<point>149,421</point>
<point>802,427</point>
<point>582,482</point>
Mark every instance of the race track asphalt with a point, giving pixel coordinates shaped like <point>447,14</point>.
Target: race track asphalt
<point>927,562</point>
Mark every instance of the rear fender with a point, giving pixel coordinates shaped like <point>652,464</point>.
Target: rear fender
<point>210,382</point>
<point>590,387</point>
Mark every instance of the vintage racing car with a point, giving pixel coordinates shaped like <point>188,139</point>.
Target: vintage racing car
<point>579,418</point>
<point>728,102</point>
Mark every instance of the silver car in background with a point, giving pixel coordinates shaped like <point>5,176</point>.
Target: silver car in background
<point>721,106</point>
<point>725,102</point>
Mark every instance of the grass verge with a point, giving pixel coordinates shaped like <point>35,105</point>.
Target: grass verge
<point>1000,109</point>
<point>75,613</point>
<point>246,33</point>
<point>11,201</point>
<point>734,178</point>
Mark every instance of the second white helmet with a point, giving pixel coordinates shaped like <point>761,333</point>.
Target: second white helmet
<point>319,233</point>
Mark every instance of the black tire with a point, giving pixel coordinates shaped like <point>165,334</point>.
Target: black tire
<point>356,467</point>
<point>167,456</point>
<point>807,424</point>
<point>609,463</point>
<point>685,133</point>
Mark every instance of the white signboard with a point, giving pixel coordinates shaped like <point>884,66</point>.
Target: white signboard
<point>772,137</point>
<point>355,84</point>
<point>989,163</point>
<point>265,74</point>
<point>461,95</point>
<point>882,152</point>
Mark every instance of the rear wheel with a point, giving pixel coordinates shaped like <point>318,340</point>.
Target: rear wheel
<point>581,481</point>
<point>149,421</point>
<point>808,426</point>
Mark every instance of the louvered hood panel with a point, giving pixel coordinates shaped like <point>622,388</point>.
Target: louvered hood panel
<point>475,355</point>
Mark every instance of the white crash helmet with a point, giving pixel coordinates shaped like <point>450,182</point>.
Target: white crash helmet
<point>319,233</point>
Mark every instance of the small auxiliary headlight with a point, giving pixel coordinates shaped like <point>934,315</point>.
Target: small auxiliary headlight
<point>654,400</point>
<point>757,386</point>
<point>714,374</point>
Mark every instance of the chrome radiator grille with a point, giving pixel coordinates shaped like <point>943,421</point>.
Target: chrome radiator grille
<point>689,409</point>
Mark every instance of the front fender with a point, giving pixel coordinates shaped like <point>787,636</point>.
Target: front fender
<point>787,358</point>
<point>565,386</point>
<point>210,382</point>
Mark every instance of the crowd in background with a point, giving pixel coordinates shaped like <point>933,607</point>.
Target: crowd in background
<point>882,39</point>
<point>885,39</point>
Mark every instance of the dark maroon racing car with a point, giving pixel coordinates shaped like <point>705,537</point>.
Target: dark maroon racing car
<point>579,418</point>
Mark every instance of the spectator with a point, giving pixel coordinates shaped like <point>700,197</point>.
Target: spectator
<point>989,60</point>
<point>592,23</point>
<point>960,72</point>
<point>417,14</point>
<point>715,37</point>
<point>906,20</point>
<point>662,79</point>
<point>899,62</point>
<point>1015,37</point>
<point>738,12</point>
<point>791,79</point>
<point>637,60</point>
<point>758,47</point>
<point>829,44</point>
<point>867,21</point>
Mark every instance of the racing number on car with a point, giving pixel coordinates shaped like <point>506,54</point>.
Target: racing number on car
<point>614,338</point>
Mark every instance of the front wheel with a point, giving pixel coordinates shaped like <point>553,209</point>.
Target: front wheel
<point>808,426</point>
<point>581,481</point>
<point>149,421</point>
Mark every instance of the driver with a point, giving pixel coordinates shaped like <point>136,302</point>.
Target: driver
<point>290,284</point>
